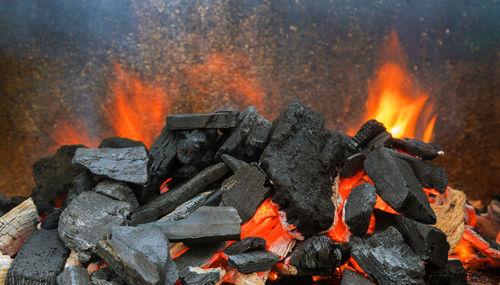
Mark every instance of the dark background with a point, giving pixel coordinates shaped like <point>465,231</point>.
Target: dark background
<point>57,60</point>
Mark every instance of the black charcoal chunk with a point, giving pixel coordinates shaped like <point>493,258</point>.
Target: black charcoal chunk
<point>105,276</point>
<point>51,221</point>
<point>122,164</point>
<point>81,183</point>
<point>39,261</point>
<point>352,165</point>
<point>253,261</point>
<point>426,151</point>
<point>249,138</point>
<point>53,176</point>
<point>387,259</point>
<point>74,275</point>
<point>206,224</point>
<point>350,277</point>
<point>245,191</point>
<point>300,160</point>
<point>318,255</point>
<point>383,139</point>
<point>118,191</point>
<point>87,220</point>
<point>214,199</point>
<point>219,120</point>
<point>139,255</point>
<point>452,273</point>
<point>359,208</point>
<point>397,185</point>
<point>198,255</point>
<point>187,208</point>
<point>117,142</point>
<point>195,151</point>
<point>170,200</point>
<point>365,134</point>
<point>246,244</point>
<point>199,276</point>
<point>232,162</point>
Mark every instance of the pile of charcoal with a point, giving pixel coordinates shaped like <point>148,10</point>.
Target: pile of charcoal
<point>104,206</point>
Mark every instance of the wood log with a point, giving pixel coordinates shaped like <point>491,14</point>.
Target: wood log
<point>5,262</point>
<point>16,226</point>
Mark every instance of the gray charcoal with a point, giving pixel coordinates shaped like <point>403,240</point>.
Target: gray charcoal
<point>122,164</point>
<point>81,183</point>
<point>39,261</point>
<point>198,255</point>
<point>53,176</point>
<point>117,142</point>
<point>214,199</point>
<point>397,185</point>
<point>246,244</point>
<point>301,159</point>
<point>105,276</point>
<point>139,255</point>
<point>350,277</point>
<point>387,259</point>
<point>186,208</point>
<point>199,276</point>
<point>352,165</point>
<point>253,261</point>
<point>232,162</point>
<point>167,202</point>
<point>219,120</point>
<point>206,224</point>
<point>452,273</point>
<point>359,208</point>
<point>74,275</point>
<point>245,190</point>
<point>87,220</point>
<point>249,138</point>
<point>118,191</point>
<point>318,255</point>
<point>51,221</point>
<point>426,151</point>
<point>195,151</point>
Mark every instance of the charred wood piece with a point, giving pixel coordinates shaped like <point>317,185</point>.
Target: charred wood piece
<point>139,255</point>
<point>186,208</point>
<point>167,202</point>
<point>16,226</point>
<point>352,165</point>
<point>118,191</point>
<point>40,260</point>
<point>198,255</point>
<point>200,276</point>
<point>359,208</point>
<point>383,139</point>
<point>105,276</point>
<point>51,221</point>
<point>253,261</point>
<point>218,120</point>
<point>122,164</point>
<point>300,160</point>
<point>117,142</point>
<point>397,185</point>
<point>83,182</point>
<point>365,134</point>
<point>74,275</point>
<point>246,244</point>
<point>350,277</point>
<point>245,191</point>
<point>426,151</point>
<point>372,255</point>
<point>214,199</point>
<point>232,162</point>
<point>453,273</point>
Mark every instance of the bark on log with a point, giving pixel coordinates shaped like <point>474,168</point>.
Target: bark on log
<point>16,226</point>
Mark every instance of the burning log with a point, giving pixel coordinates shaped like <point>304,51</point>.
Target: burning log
<point>167,202</point>
<point>117,142</point>
<point>218,120</point>
<point>246,244</point>
<point>253,261</point>
<point>123,164</point>
<point>40,260</point>
<point>5,263</point>
<point>232,162</point>
<point>372,255</point>
<point>301,159</point>
<point>74,275</point>
<point>139,255</point>
<point>426,151</point>
<point>452,273</point>
<point>198,255</point>
<point>117,191</point>
<point>16,226</point>
<point>249,138</point>
<point>359,208</point>
<point>397,185</point>
<point>87,220</point>
<point>245,190</point>
<point>350,277</point>
<point>197,275</point>
<point>186,208</point>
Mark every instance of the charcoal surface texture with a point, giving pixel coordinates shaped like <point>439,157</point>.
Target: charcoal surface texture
<point>206,224</point>
<point>122,164</point>
<point>187,208</point>
<point>53,176</point>
<point>232,162</point>
<point>426,151</point>
<point>198,255</point>
<point>167,202</point>
<point>359,208</point>
<point>249,138</point>
<point>246,244</point>
<point>199,276</point>
<point>453,273</point>
<point>195,151</point>
<point>39,261</point>
<point>218,120</point>
<point>52,220</point>
<point>386,258</point>
<point>318,255</point>
<point>105,276</point>
<point>352,165</point>
<point>245,190</point>
<point>118,191</point>
<point>117,142</point>
<point>74,275</point>
<point>88,218</point>
<point>365,134</point>
<point>383,139</point>
<point>350,277</point>
<point>300,159</point>
<point>139,255</point>
<point>253,261</point>
<point>397,185</point>
<point>8,203</point>
<point>81,183</point>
